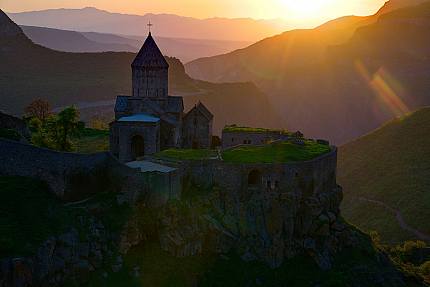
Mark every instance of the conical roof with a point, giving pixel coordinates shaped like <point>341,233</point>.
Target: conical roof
<point>150,55</point>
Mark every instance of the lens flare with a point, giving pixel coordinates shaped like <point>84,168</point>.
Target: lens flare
<point>385,87</point>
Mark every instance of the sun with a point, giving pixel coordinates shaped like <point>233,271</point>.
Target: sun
<point>305,8</point>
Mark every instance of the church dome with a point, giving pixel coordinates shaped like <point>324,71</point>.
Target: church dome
<point>150,55</point>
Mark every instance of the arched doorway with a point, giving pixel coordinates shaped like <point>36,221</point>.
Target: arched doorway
<point>254,178</point>
<point>137,147</point>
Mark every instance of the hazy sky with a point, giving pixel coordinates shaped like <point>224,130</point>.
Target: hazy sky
<point>295,10</point>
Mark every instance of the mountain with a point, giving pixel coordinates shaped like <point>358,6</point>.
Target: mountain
<point>72,41</point>
<point>166,25</point>
<point>386,178</point>
<point>312,76</point>
<point>30,71</point>
<point>392,5</point>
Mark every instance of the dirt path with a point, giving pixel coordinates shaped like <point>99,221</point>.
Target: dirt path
<point>420,235</point>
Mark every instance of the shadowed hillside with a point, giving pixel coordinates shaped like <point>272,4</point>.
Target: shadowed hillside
<point>389,166</point>
<point>71,41</point>
<point>63,79</point>
<point>322,80</point>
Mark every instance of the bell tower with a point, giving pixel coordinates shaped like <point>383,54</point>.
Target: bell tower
<point>150,71</point>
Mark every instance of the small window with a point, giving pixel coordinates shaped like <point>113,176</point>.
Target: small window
<point>276,184</point>
<point>245,142</point>
<point>232,139</point>
<point>269,184</point>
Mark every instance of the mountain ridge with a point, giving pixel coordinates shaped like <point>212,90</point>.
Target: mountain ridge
<point>312,77</point>
<point>32,71</point>
<point>78,42</point>
<point>168,25</point>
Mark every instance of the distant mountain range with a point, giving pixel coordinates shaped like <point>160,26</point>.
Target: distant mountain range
<point>342,79</point>
<point>166,25</point>
<point>72,41</point>
<point>386,179</point>
<point>30,71</point>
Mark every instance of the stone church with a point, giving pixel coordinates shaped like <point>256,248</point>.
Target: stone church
<point>150,120</point>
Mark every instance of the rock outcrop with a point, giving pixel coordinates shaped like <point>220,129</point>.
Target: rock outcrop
<point>70,256</point>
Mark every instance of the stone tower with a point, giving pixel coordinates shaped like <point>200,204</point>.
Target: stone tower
<point>150,72</point>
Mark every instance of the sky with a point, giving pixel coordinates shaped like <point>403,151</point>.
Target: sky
<point>298,11</point>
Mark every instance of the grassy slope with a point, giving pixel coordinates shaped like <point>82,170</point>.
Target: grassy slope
<point>278,152</point>
<point>392,165</point>
<point>92,140</point>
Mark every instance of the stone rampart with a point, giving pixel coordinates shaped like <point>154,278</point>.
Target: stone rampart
<point>274,211</point>
<point>232,139</point>
<point>56,168</point>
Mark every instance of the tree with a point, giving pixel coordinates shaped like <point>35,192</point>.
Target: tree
<point>39,109</point>
<point>66,125</point>
<point>56,130</point>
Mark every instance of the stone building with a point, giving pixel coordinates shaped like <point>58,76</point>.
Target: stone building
<point>197,127</point>
<point>233,136</point>
<point>150,120</point>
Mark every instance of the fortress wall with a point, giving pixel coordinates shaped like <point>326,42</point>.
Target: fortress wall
<point>310,177</point>
<point>231,139</point>
<point>290,209</point>
<point>18,159</point>
<point>159,187</point>
<point>16,124</point>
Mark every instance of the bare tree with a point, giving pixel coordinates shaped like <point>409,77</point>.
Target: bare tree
<point>39,108</point>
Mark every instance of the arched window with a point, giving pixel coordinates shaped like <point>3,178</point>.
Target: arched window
<point>137,147</point>
<point>254,177</point>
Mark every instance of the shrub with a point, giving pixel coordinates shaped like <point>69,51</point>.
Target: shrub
<point>425,269</point>
<point>10,134</point>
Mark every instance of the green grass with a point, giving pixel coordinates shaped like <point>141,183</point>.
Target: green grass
<point>92,140</point>
<point>186,154</point>
<point>29,214</point>
<point>276,153</point>
<point>392,165</point>
<point>238,129</point>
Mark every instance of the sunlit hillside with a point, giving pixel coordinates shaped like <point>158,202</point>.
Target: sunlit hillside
<point>312,76</point>
<point>388,171</point>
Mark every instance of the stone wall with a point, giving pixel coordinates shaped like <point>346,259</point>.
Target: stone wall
<point>231,139</point>
<point>150,82</point>
<point>196,130</point>
<point>271,212</point>
<point>56,168</point>
<point>16,124</point>
<point>122,133</point>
